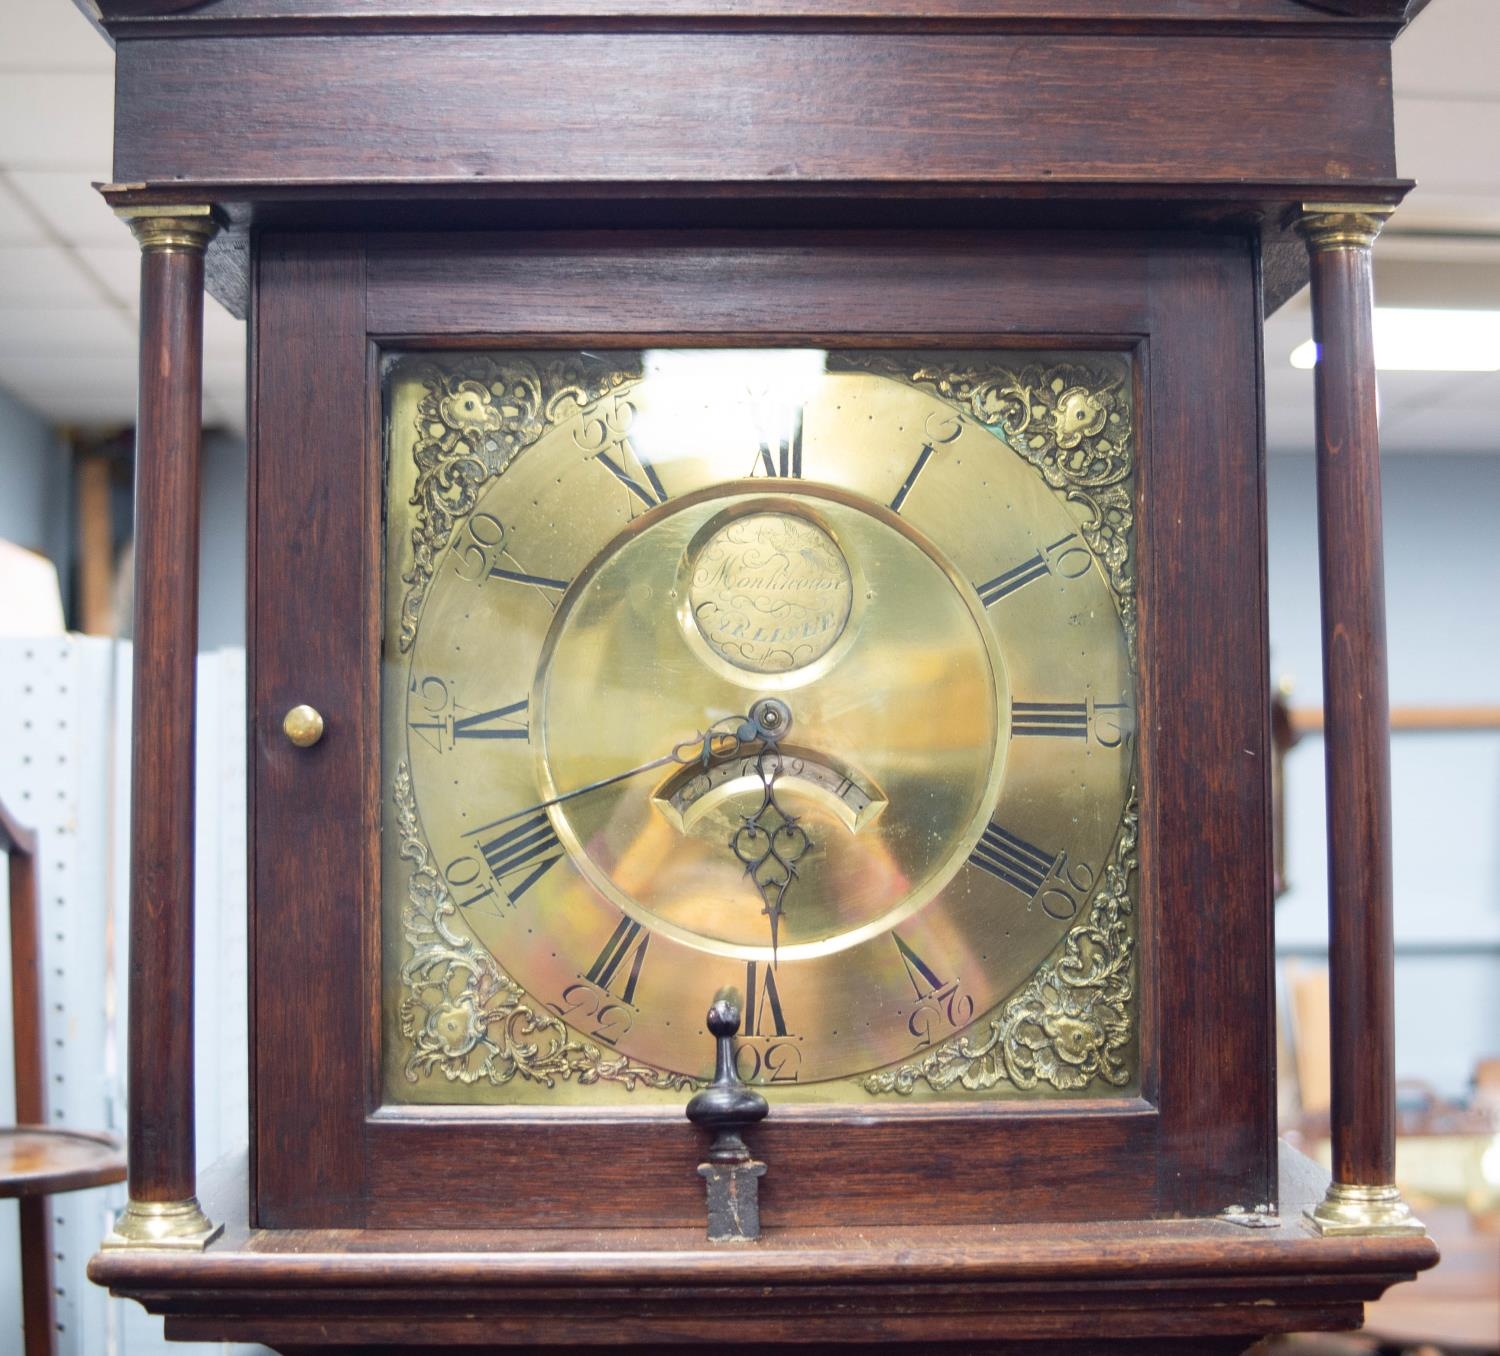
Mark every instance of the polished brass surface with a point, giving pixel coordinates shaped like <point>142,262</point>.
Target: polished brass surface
<point>1363,1211</point>
<point>1336,226</point>
<point>600,565</point>
<point>303,725</point>
<point>177,1226</point>
<point>186,228</point>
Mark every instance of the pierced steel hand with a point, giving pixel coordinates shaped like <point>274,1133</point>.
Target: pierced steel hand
<point>769,841</point>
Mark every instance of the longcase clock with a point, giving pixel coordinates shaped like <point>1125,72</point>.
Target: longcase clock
<point>801,537</point>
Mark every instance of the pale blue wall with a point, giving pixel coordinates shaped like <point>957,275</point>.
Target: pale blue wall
<point>1443,608</point>
<point>34,495</point>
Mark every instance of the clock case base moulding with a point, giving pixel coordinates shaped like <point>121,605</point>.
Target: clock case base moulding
<point>1114,1287</point>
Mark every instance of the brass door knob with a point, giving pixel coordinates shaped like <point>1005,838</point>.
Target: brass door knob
<point>303,725</point>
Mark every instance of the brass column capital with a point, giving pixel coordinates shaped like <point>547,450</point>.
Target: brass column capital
<point>1340,225</point>
<point>177,228</point>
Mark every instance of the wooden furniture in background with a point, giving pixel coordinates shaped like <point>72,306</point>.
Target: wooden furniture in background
<point>38,1160</point>
<point>1413,719</point>
<point>1144,177</point>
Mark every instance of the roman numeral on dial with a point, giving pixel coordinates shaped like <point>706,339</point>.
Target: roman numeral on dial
<point>784,456</point>
<point>521,577</point>
<point>1013,860</point>
<point>1064,720</point>
<point>911,477</point>
<point>1067,558</point>
<point>504,722</point>
<point>623,955</point>
<point>648,488</point>
<point>763,1013</point>
<point>528,849</point>
<point>917,970</point>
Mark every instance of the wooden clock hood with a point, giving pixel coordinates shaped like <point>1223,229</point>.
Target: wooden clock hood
<point>1148,176</point>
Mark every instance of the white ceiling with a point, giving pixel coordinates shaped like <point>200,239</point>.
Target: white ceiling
<point>68,268</point>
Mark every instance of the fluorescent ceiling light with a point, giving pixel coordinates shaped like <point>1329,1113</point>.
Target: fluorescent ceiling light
<point>1427,341</point>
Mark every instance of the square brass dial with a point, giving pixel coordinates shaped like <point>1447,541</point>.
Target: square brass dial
<point>807,671</point>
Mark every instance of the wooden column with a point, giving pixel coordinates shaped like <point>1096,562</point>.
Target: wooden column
<point>1363,1198</point>
<point>163,1209</point>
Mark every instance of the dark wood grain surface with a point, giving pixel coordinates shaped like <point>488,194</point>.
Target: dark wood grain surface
<point>674,108</point>
<point>983,1288</point>
<point>1199,1141</point>
<point>164,665</point>
<point>1383,16</point>
<point>314,637</point>
<point>1356,704</point>
<point>39,1160</point>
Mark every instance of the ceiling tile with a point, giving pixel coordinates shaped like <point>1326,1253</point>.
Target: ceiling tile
<point>17,225</point>
<point>81,331</point>
<point>1448,145</point>
<point>1423,412</point>
<point>43,275</point>
<point>58,371</point>
<point>57,122</point>
<point>69,204</point>
<point>118,270</point>
<point>1427,59</point>
<point>83,409</point>
<point>52,35</point>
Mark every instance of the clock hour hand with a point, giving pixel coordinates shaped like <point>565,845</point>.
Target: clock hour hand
<point>770,842</point>
<point>723,739</point>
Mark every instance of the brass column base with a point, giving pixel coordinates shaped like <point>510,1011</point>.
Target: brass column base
<point>1350,1211</point>
<point>179,1225</point>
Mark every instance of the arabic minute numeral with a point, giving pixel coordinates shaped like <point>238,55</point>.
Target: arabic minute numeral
<point>1046,878</point>
<point>940,1003</point>
<point>1108,723</point>
<point>1066,558</point>
<point>766,1052</point>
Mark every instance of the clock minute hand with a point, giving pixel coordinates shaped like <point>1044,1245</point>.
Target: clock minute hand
<point>723,739</point>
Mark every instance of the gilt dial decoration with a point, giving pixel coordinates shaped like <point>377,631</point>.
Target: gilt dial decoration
<point>807,672</point>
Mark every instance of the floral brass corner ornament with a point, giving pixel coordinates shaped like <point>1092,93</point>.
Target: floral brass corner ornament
<point>470,426</point>
<point>1071,1024</point>
<point>1072,422</point>
<point>465,1017</point>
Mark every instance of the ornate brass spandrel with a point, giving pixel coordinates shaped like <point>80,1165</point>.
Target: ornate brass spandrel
<point>1072,1024</point>
<point>461,1019</point>
<point>1071,420</point>
<point>465,1018</point>
<point>474,420</point>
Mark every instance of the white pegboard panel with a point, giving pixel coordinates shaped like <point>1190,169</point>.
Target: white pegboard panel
<point>55,726</point>
<point>65,769</point>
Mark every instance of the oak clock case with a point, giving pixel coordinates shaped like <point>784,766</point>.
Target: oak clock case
<point>807,671</point>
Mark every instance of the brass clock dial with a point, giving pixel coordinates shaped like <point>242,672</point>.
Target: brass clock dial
<point>804,672</point>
